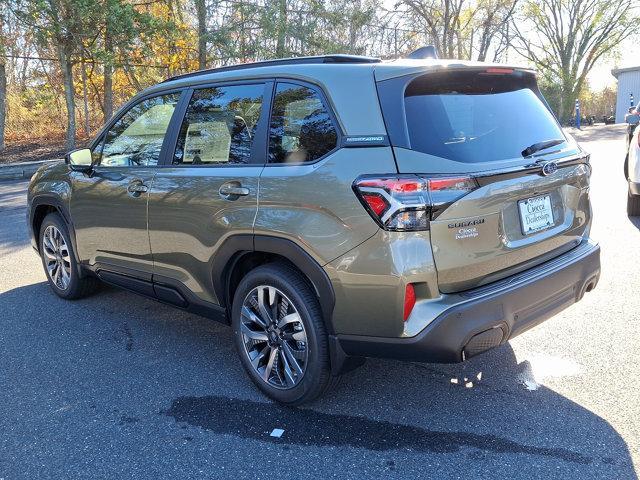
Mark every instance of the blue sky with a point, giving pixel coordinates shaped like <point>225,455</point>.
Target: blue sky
<point>628,56</point>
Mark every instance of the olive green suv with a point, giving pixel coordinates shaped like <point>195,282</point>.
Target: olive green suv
<point>330,209</point>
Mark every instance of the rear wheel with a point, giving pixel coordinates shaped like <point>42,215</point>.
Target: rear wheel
<point>633,204</point>
<point>280,336</point>
<point>626,167</point>
<point>59,262</point>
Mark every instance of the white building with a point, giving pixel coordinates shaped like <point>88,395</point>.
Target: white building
<point>628,84</point>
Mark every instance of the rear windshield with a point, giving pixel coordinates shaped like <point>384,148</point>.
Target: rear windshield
<point>476,117</point>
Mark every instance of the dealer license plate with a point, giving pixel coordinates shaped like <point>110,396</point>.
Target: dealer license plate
<point>536,214</point>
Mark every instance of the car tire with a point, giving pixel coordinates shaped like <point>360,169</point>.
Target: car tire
<point>633,205</point>
<point>283,346</point>
<point>59,260</point>
<point>626,167</point>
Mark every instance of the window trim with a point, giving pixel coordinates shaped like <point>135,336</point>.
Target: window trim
<point>327,106</point>
<point>100,138</point>
<point>262,131</point>
<point>259,138</point>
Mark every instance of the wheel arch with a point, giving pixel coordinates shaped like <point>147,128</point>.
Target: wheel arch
<point>241,253</point>
<point>41,206</point>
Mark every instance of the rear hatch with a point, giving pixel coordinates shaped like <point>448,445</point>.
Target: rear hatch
<point>507,189</point>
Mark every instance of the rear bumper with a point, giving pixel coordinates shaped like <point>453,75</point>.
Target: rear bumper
<point>488,316</point>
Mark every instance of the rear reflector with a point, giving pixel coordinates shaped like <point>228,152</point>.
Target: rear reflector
<point>409,300</point>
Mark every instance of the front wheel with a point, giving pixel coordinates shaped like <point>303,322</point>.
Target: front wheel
<point>59,261</point>
<point>280,335</point>
<point>633,204</point>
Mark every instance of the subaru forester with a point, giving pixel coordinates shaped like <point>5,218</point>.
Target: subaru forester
<point>330,209</point>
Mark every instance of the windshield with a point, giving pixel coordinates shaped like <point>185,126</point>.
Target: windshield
<point>475,117</point>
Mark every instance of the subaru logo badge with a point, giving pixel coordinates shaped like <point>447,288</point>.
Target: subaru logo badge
<point>549,168</point>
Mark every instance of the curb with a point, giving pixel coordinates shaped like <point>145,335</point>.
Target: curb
<point>22,170</point>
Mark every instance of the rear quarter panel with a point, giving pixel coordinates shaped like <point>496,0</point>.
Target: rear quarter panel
<point>315,206</point>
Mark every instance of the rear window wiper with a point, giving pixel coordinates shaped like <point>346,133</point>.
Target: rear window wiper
<point>536,147</point>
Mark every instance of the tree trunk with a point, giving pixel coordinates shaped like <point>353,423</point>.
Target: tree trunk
<point>3,101</point>
<point>561,109</point>
<point>107,109</point>
<point>85,100</point>
<point>3,85</point>
<point>201,13</point>
<point>568,95</point>
<point>107,104</point>
<point>67,74</point>
<point>282,28</point>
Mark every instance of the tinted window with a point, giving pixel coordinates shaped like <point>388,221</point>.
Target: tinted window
<point>301,128</point>
<point>136,138</point>
<point>219,125</point>
<point>475,117</point>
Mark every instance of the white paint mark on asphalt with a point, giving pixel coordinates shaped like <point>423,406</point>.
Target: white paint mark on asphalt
<point>549,366</point>
<point>541,367</point>
<point>277,432</point>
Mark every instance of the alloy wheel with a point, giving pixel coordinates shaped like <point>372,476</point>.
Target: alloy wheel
<point>274,337</point>
<point>57,257</point>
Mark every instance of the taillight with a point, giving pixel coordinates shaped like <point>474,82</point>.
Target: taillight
<point>407,203</point>
<point>409,300</point>
<point>446,190</point>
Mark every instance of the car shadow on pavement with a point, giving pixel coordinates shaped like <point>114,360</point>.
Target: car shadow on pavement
<point>116,343</point>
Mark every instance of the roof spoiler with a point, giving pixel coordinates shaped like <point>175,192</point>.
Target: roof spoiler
<point>424,52</point>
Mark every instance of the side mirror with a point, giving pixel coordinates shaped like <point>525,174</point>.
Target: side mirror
<point>80,160</point>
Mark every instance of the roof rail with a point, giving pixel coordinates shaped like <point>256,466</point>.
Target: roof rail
<point>334,58</point>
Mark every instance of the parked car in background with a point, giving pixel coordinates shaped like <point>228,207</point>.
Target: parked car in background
<point>632,118</point>
<point>632,173</point>
<point>330,209</point>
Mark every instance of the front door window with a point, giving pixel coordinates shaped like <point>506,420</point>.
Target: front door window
<point>136,138</point>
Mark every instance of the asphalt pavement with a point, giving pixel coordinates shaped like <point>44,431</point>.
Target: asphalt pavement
<point>118,386</point>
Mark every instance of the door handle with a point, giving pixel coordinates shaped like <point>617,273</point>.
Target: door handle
<point>137,187</point>
<point>233,190</point>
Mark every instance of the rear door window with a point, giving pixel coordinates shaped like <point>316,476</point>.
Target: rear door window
<point>219,126</point>
<point>475,117</point>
